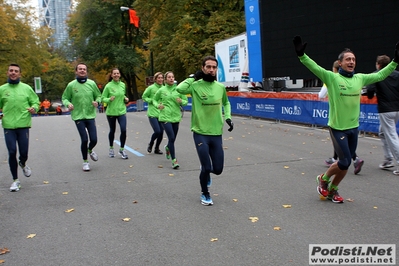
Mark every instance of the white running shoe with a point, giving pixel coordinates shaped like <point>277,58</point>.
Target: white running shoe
<point>15,186</point>
<point>123,154</point>
<point>93,156</point>
<point>26,170</point>
<point>111,153</point>
<point>86,167</point>
<point>386,164</point>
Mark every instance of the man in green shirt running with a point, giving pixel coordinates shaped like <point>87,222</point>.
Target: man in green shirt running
<point>344,91</point>
<point>18,102</point>
<point>82,97</point>
<point>208,99</point>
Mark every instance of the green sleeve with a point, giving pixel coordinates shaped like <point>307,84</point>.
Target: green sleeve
<point>226,106</point>
<point>380,75</point>
<point>185,86</point>
<point>147,94</point>
<point>66,96</point>
<point>184,100</point>
<point>105,96</point>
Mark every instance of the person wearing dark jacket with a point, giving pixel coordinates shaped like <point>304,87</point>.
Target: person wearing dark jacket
<point>387,92</point>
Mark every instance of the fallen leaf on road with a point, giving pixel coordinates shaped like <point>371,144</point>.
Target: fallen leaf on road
<point>349,200</point>
<point>287,205</point>
<point>253,219</point>
<point>375,207</point>
<point>45,182</point>
<point>160,166</point>
<point>126,219</point>
<point>4,251</point>
<point>238,158</point>
<point>2,261</point>
<point>134,201</point>
<point>31,236</point>
<point>286,167</point>
<point>64,193</point>
<point>277,228</point>
<point>235,200</point>
<point>125,173</point>
<point>70,210</point>
<point>171,175</point>
<point>214,239</point>
<point>131,166</point>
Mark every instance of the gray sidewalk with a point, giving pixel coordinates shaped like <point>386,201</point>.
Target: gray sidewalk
<point>267,165</point>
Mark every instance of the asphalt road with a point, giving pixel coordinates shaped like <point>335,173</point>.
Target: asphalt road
<point>267,165</point>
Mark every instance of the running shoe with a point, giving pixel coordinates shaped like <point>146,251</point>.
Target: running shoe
<point>149,148</point>
<point>167,152</point>
<point>358,163</point>
<point>335,197</point>
<point>396,172</point>
<point>15,186</point>
<point>386,164</point>
<point>158,151</point>
<point>206,200</point>
<point>111,153</point>
<point>93,156</point>
<point>322,187</point>
<point>330,161</point>
<point>26,170</point>
<point>86,166</point>
<point>175,164</point>
<point>123,154</point>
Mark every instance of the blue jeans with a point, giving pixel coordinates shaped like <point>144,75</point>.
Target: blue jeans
<point>112,127</point>
<point>211,155</point>
<point>158,132</point>
<point>90,125</point>
<point>345,144</point>
<point>12,137</point>
<point>171,130</point>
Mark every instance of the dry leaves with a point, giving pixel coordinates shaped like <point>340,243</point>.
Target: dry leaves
<point>214,239</point>
<point>70,210</point>
<point>277,228</point>
<point>134,201</point>
<point>253,219</point>
<point>126,219</point>
<point>235,200</point>
<point>45,182</point>
<point>287,205</point>
<point>4,251</point>
<point>64,193</point>
<point>349,200</point>
<point>171,174</point>
<point>160,166</point>
<point>2,261</point>
<point>31,236</point>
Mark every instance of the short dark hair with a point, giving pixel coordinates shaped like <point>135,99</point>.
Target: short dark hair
<point>209,57</point>
<point>383,60</point>
<point>15,65</point>
<point>76,67</point>
<point>341,55</point>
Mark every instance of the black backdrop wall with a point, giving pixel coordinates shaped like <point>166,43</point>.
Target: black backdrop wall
<point>369,28</point>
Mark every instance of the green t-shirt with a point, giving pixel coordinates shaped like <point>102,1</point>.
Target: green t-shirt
<point>82,95</point>
<point>116,107</point>
<point>208,98</point>
<point>148,96</point>
<point>167,96</point>
<point>344,92</point>
<point>15,99</point>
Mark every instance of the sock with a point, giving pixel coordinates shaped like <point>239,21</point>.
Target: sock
<point>111,147</point>
<point>121,149</point>
<point>333,187</point>
<point>90,151</point>
<point>85,161</point>
<point>325,177</point>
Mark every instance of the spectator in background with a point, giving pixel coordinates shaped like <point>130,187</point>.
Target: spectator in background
<point>18,102</point>
<point>357,162</point>
<point>114,96</point>
<point>46,105</point>
<point>387,92</point>
<point>168,100</point>
<point>82,97</point>
<point>153,113</point>
<point>58,110</point>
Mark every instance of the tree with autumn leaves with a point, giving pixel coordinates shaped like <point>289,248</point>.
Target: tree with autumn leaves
<point>177,33</point>
<point>28,46</point>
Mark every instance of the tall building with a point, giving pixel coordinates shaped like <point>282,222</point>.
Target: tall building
<point>53,14</point>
